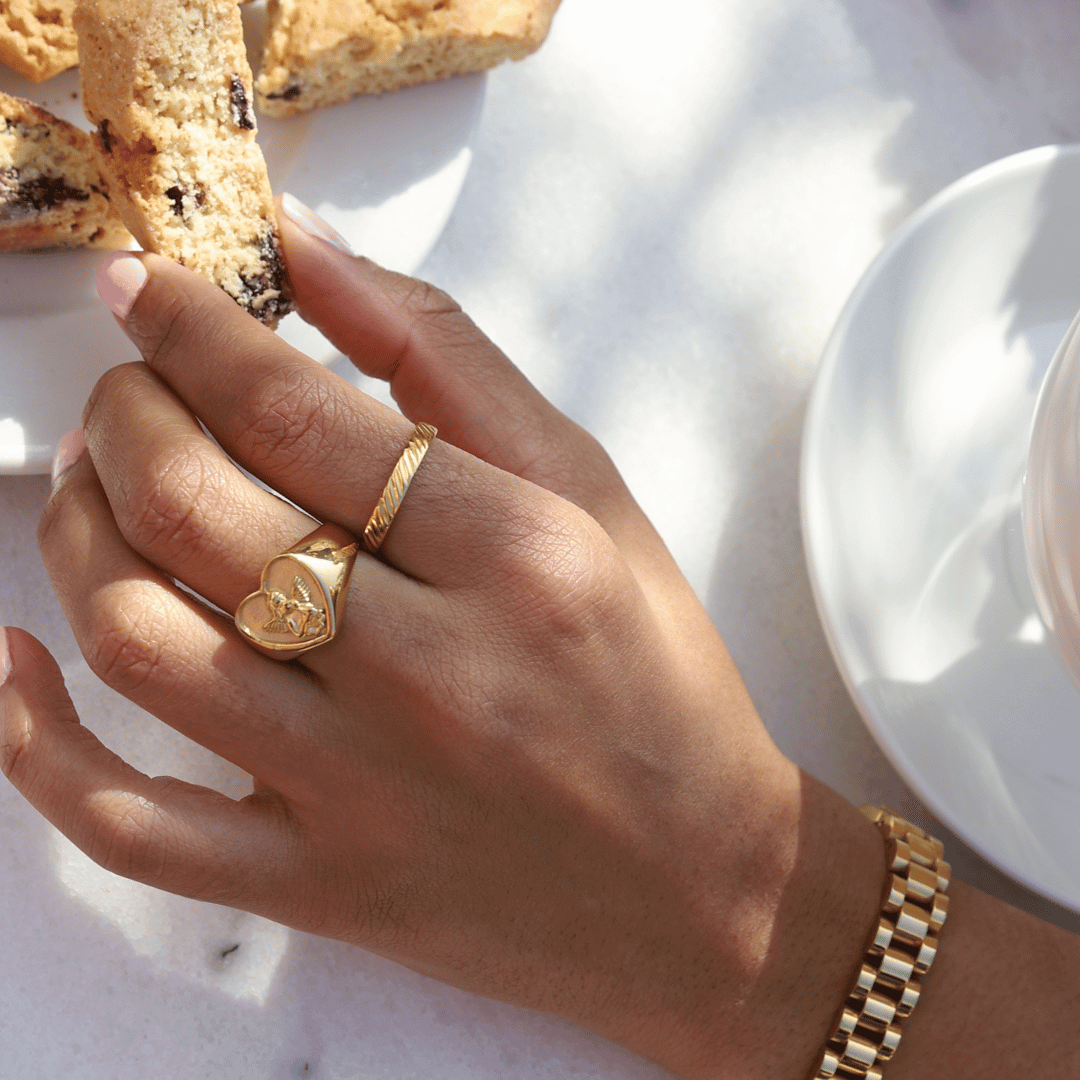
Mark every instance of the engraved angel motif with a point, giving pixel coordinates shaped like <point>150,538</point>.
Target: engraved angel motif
<point>295,613</point>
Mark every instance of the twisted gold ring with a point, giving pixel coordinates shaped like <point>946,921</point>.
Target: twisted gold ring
<point>301,594</point>
<point>390,501</point>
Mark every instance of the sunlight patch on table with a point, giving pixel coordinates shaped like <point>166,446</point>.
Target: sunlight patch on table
<point>232,951</point>
<point>12,444</point>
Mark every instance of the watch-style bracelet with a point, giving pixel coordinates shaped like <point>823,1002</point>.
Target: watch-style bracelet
<point>903,946</point>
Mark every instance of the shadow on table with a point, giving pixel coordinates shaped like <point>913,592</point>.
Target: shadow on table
<point>983,79</point>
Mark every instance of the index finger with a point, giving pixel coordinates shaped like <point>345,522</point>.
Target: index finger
<point>306,432</point>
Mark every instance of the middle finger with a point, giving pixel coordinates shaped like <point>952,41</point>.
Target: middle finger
<point>316,438</point>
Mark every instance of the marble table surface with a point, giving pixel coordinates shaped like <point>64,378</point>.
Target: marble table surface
<point>666,210</point>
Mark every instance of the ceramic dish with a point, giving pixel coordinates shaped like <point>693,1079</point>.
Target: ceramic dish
<point>385,172</point>
<point>913,457</point>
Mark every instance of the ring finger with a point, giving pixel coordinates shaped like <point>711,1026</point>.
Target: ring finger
<point>185,508</point>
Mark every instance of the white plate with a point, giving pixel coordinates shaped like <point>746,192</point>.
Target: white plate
<point>913,454</point>
<point>385,172</point>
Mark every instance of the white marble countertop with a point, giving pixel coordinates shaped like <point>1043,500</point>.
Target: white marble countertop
<point>664,216</point>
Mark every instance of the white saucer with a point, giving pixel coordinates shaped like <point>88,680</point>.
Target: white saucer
<point>385,172</point>
<point>913,453</point>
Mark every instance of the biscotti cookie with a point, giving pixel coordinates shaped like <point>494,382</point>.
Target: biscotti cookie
<point>36,37</point>
<point>319,52</point>
<point>51,192</point>
<point>167,84</point>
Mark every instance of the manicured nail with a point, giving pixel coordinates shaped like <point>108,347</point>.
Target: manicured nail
<point>5,657</point>
<point>120,279</point>
<point>312,224</point>
<point>68,450</point>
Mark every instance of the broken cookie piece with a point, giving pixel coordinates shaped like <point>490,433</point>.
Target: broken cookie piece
<point>51,191</point>
<point>37,38</point>
<point>320,52</point>
<point>167,84</point>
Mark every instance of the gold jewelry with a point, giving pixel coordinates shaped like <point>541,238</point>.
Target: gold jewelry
<point>904,944</point>
<point>301,595</point>
<point>390,501</point>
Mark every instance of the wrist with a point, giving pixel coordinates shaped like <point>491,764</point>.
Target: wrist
<point>778,925</point>
<point>829,904</point>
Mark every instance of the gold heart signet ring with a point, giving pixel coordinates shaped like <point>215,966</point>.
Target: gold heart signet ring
<point>301,595</point>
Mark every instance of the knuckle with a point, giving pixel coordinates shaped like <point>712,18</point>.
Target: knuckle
<point>428,301</point>
<point>437,319</point>
<point>111,385</point>
<point>294,416</point>
<point>49,522</point>
<point>162,509</point>
<point>565,577</point>
<point>123,645</point>
<point>163,331</point>
<point>123,396</point>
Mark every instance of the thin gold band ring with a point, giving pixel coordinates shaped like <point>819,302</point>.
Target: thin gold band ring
<point>396,487</point>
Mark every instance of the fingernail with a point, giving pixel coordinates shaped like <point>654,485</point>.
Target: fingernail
<point>5,657</point>
<point>68,450</point>
<point>312,224</point>
<point>120,279</point>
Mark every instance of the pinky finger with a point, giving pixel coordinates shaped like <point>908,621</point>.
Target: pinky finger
<point>158,830</point>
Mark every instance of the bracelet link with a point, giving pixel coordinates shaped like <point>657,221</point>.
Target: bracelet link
<point>901,950</point>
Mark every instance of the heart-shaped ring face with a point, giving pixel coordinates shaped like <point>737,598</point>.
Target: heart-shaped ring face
<point>291,612</point>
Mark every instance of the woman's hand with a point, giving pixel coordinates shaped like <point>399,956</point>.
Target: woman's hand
<point>526,765</point>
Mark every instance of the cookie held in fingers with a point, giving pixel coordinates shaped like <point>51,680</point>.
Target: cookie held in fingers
<point>320,52</point>
<point>51,191</point>
<point>168,87</point>
<point>36,37</point>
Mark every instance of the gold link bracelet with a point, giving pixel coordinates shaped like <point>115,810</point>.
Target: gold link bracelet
<point>901,950</point>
